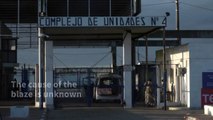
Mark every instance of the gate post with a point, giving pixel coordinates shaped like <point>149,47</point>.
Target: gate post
<point>48,68</point>
<point>41,66</point>
<point>127,69</point>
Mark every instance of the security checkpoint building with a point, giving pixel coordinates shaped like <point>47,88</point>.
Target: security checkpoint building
<point>102,23</point>
<point>111,23</point>
<point>62,23</point>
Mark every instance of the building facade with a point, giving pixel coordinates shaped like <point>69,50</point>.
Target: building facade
<point>189,72</point>
<point>8,60</point>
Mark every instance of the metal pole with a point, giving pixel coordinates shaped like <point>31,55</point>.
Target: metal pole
<point>67,8</point>
<point>164,68</point>
<point>30,35</point>
<point>18,17</point>
<point>114,60</point>
<point>133,74</point>
<point>88,7</point>
<point>138,55</point>
<point>178,22</point>
<point>36,83</point>
<point>146,75</point>
<point>41,66</point>
<point>89,90</point>
<point>110,7</point>
<point>46,12</point>
<point>131,6</point>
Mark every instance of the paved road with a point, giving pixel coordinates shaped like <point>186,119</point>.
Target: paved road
<point>103,113</point>
<point>107,113</point>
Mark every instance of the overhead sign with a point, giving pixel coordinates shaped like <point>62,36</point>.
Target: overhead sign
<point>132,21</point>
<point>207,79</point>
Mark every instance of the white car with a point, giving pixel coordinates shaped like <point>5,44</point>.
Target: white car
<point>108,87</point>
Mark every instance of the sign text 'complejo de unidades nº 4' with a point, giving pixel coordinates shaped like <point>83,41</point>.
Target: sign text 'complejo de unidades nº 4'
<point>101,21</point>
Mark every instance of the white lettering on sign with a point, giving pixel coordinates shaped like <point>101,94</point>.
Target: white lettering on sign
<point>101,21</point>
<point>208,98</point>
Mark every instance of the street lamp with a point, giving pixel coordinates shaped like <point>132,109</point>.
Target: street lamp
<point>178,21</point>
<point>164,65</point>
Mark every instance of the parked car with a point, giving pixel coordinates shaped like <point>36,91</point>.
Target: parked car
<point>108,87</point>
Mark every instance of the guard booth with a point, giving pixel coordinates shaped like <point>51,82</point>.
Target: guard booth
<point>96,23</point>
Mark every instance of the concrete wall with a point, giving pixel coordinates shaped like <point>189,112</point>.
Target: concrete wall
<point>201,60</point>
<point>178,58</point>
<point>178,84</point>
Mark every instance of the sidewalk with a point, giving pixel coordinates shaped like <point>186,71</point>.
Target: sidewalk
<point>34,114</point>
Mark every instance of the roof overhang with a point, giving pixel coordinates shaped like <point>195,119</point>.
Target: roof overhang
<point>99,33</point>
<point>98,37</point>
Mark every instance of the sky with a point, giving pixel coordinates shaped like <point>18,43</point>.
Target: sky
<point>194,15</point>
